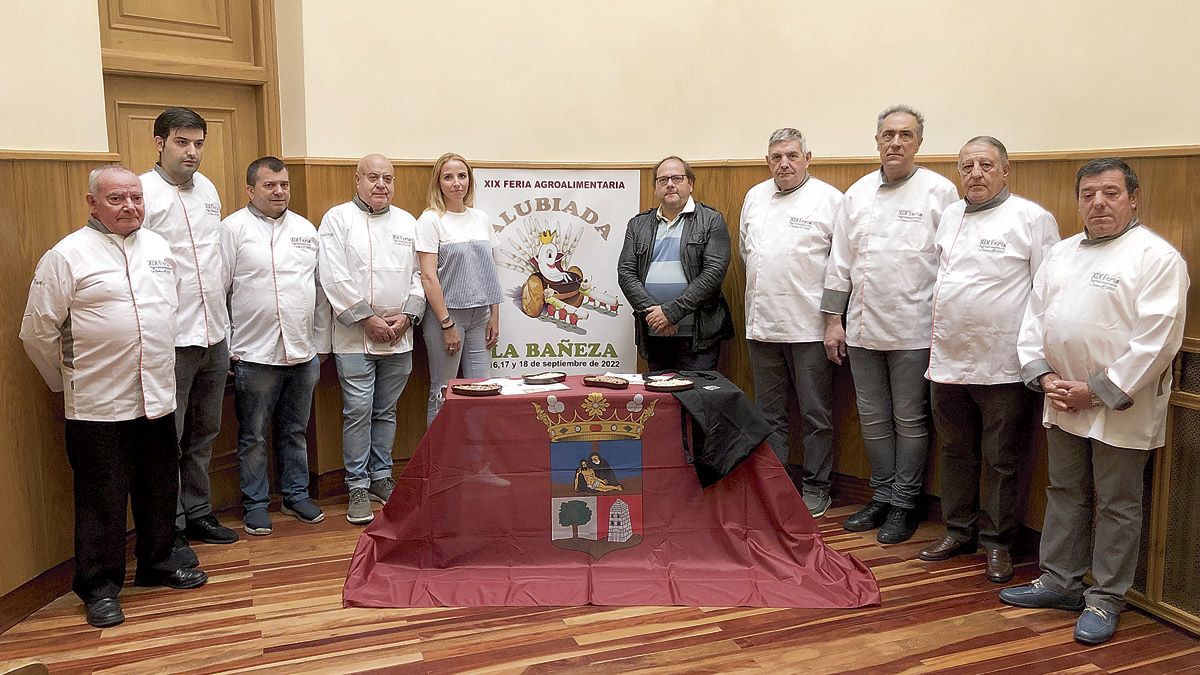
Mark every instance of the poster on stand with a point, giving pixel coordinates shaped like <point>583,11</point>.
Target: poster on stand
<point>558,236</point>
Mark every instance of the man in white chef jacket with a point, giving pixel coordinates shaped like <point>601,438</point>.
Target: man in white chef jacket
<point>786,226</point>
<point>368,267</point>
<point>880,277</point>
<point>280,321</point>
<point>100,327</point>
<point>183,206</point>
<point>989,245</point>
<point>1103,324</point>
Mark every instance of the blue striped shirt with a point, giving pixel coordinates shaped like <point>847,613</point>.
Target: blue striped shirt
<point>665,279</point>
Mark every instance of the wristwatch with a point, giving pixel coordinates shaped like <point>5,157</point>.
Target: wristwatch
<point>1096,402</point>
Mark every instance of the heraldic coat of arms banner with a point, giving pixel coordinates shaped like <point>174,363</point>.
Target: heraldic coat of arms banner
<point>595,473</point>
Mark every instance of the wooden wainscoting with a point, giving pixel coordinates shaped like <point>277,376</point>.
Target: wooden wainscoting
<point>41,201</point>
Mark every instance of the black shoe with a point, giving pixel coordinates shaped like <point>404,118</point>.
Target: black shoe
<point>179,579</point>
<point>900,526</point>
<point>210,531</point>
<point>868,517</point>
<point>105,612</point>
<point>182,555</point>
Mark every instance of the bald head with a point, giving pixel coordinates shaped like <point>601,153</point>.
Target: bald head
<point>374,181</point>
<point>115,199</point>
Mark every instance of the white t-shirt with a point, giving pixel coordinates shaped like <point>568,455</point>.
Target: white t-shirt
<point>463,243</point>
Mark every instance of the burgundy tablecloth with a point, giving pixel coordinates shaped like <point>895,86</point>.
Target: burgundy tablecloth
<point>492,512</point>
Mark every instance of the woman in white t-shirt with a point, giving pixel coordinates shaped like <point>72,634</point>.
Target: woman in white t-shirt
<point>458,271</point>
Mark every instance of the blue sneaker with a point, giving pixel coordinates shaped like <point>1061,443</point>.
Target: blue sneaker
<point>304,510</point>
<point>1038,596</point>
<point>258,522</point>
<point>1096,625</point>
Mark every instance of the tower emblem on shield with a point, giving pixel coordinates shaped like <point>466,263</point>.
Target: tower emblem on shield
<point>595,473</point>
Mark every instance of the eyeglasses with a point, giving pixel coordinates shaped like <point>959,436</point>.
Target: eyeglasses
<point>676,179</point>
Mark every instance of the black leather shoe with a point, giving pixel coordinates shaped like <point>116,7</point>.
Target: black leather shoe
<point>210,531</point>
<point>179,579</point>
<point>105,612</point>
<point>182,555</point>
<point>900,526</point>
<point>868,517</point>
<point>999,566</point>
<point>946,548</point>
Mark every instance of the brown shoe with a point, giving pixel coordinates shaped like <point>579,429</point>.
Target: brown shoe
<point>999,565</point>
<point>945,548</point>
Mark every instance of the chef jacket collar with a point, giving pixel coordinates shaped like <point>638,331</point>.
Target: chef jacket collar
<point>792,189</point>
<point>367,207</point>
<point>189,183</point>
<point>1001,197</point>
<point>254,211</point>
<point>898,182</point>
<point>1089,240</point>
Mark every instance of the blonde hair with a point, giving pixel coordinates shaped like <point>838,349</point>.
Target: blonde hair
<point>436,201</point>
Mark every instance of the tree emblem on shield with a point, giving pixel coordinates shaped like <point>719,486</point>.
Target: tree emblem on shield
<point>595,473</point>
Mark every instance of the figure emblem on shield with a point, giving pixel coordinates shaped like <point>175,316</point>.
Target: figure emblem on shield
<point>595,474</point>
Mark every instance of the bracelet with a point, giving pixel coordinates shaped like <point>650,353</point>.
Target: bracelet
<point>446,320</point>
<point>1096,402</point>
<point>448,327</point>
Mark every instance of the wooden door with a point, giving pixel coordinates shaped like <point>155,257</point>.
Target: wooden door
<point>230,110</point>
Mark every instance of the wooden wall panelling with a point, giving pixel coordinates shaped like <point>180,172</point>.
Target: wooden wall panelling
<point>41,201</point>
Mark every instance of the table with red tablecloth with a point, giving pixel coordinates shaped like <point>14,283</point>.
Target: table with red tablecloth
<point>585,496</point>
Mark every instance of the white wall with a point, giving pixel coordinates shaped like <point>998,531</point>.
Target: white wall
<point>628,80</point>
<point>51,84</point>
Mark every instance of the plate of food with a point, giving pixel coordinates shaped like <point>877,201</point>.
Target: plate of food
<point>476,389</point>
<point>606,382</point>
<point>551,377</point>
<point>668,384</point>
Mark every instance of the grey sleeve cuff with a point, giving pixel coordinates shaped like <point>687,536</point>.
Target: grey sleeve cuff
<point>1033,371</point>
<point>415,305</point>
<point>1108,393</point>
<point>357,313</point>
<point>835,302</point>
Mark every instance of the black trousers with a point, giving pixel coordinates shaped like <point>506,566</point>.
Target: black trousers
<point>988,424</point>
<point>675,353</point>
<point>115,463</point>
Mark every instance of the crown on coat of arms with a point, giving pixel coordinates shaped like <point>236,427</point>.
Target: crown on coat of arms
<point>597,423</point>
<point>546,236</point>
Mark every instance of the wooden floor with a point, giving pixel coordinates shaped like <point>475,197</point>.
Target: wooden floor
<point>273,605</point>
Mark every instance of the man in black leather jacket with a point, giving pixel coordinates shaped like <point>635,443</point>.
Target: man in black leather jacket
<point>670,270</point>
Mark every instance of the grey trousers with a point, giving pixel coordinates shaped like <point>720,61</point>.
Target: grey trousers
<point>472,357</point>
<point>781,370</point>
<point>1090,479</point>
<point>988,424</point>
<point>200,374</point>
<point>893,398</point>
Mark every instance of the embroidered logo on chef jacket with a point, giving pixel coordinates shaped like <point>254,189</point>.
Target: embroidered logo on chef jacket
<point>909,216</point>
<point>306,243</point>
<point>992,245</point>
<point>1105,282</point>
<point>159,266</point>
<point>802,223</point>
<point>213,209</point>
<point>401,240</point>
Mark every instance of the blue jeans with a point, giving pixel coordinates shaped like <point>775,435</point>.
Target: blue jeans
<point>473,357</point>
<point>371,385</point>
<point>199,396</point>
<point>283,394</point>
<point>893,397</point>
